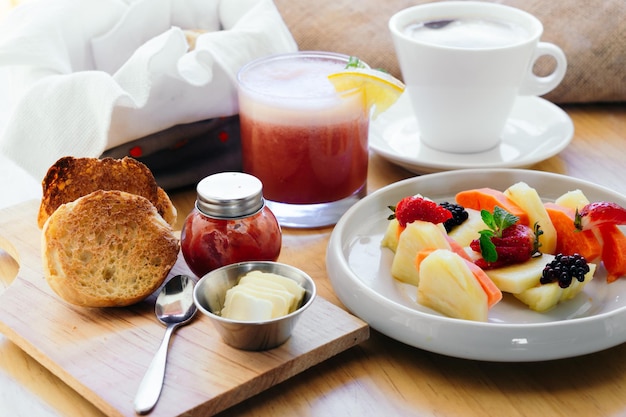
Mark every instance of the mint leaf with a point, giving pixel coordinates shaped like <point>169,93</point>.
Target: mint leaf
<point>488,219</point>
<point>354,62</point>
<point>503,219</point>
<point>487,248</point>
<point>497,221</point>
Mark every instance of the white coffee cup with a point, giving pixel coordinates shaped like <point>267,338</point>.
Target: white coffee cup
<point>462,78</point>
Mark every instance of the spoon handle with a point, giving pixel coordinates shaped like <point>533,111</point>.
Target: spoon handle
<point>152,382</point>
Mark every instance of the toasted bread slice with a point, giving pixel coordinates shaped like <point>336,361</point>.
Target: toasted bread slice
<point>70,178</point>
<point>108,248</point>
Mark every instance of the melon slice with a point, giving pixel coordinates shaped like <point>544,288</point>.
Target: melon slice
<point>518,278</point>
<point>574,200</point>
<point>417,237</point>
<point>544,297</point>
<point>391,236</point>
<point>528,199</point>
<point>541,298</point>
<point>468,230</point>
<point>447,285</point>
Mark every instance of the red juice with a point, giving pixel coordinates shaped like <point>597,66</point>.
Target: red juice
<point>306,143</point>
<point>306,164</point>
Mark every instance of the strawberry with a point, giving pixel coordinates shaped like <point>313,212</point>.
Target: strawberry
<point>416,207</point>
<point>598,213</point>
<point>506,242</point>
<point>516,245</point>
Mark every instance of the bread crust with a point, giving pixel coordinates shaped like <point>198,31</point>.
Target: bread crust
<point>106,249</point>
<point>70,178</point>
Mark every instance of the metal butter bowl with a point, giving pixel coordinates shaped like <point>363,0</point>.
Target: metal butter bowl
<point>210,292</point>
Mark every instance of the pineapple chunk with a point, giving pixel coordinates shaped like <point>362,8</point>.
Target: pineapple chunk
<point>575,199</point>
<point>447,285</point>
<point>544,297</point>
<point>518,278</point>
<point>577,286</point>
<point>416,237</point>
<point>390,238</point>
<point>468,230</point>
<point>528,199</point>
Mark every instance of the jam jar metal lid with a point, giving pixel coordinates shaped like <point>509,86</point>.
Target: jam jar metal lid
<point>230,195</point>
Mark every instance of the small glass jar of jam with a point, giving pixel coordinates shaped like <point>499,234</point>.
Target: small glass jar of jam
<point>230,223</point>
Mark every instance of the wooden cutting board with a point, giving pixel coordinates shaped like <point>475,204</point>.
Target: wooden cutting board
<point>104,353</point>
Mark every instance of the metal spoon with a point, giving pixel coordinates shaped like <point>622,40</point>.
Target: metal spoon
<point>174,307</point>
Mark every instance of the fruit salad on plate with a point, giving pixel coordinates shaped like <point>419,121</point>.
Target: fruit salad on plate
<point>463,255</point>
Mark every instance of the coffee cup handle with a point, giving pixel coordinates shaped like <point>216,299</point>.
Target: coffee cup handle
<point>536,85</point>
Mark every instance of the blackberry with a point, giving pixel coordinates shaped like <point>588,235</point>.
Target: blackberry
<point>564,268</point>
<point>459,215</point>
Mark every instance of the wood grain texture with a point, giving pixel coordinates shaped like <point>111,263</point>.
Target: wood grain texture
<point>103,353</point>
<point>382,377</point>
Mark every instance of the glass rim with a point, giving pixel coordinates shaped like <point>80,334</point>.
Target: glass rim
<point>331,56</point>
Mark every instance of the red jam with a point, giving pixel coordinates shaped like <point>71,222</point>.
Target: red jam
<point>229,224</point>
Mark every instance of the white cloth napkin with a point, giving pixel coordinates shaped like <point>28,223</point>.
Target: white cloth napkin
<point>78,77</point>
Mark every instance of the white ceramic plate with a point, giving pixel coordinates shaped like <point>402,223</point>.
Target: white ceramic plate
<point>359,270</point>
<point>536,130</point>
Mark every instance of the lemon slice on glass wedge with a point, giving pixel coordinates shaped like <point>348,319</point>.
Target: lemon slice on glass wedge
<point>381,89</point>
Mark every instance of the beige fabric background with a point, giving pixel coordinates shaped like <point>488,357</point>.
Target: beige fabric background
<point>592,34</point>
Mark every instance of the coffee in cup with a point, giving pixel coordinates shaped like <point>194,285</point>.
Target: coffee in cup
<point>464,64</point>
<point>468,33</point>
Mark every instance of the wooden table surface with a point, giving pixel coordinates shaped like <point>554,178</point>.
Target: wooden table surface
<point>381,376</point>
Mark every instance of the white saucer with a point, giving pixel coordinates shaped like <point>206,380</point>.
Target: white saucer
<point>536,130</point>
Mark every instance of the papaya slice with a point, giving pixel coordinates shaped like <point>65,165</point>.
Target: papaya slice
<point>569,240</point>
<point>494,295</point>
<point>487,198</point>
<point>613,251</point>
<point>458,249</point>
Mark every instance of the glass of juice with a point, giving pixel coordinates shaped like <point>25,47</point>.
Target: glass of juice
<point>306,143</point>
